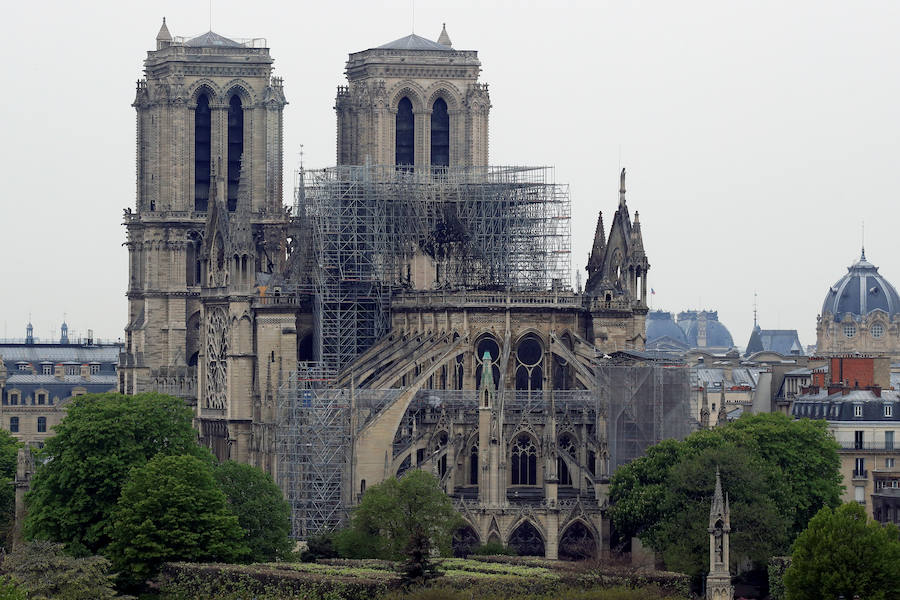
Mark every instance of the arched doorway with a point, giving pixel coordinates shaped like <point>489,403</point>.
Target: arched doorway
<point>577,542</point>
<point>526,540</point>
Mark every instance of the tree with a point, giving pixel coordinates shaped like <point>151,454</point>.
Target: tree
<point>390,512</point>
<point>843,552</point>
<point>261,510</point>
<point>418,567</point>
<point>9,449</point>
<point>172,509</point>
<point>45,572</point>
<point>777,472</point>
<point>86,463</point>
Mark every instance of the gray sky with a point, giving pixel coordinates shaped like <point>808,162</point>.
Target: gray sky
<point>757,135</point>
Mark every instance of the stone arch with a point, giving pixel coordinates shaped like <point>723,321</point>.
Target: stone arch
<point>465,539</point>
<point>528,353</point>
<point>526,538</point>
<point>193,339</point>
<point>445,90</point>
<point>408,89</point>
<point>242,89</point>
<point>578,540</point>
<point>207,86</point>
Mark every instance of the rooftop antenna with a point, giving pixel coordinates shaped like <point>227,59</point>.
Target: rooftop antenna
<point>210,14</point>
<point>754,310</point>
<point>863,238</point>
<point>413,5</point>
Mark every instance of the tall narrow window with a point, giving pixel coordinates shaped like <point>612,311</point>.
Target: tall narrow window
<point>42,424</point>
<point>473,466</point>
<point>235,148</point>
<point>14,424</point>
<point>405,149</point>
<point>202,129</point>
<point>440,134</point>
<point>523,461</point>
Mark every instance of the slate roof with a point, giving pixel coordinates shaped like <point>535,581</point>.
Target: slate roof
<point>861,291</point>
<point>783,341</point>
<point>414,42</point>
<point>56,353</point>
<point>840,407</point>
<point>212,39</point>
<point>662,324</point>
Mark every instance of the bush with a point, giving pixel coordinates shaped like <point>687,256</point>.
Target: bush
<point>44,571</point>
<point>493,549</point>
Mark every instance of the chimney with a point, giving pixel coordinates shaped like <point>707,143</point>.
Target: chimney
<point>59,371</point>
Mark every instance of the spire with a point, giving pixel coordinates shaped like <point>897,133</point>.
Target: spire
<point>487,372</point>
<point>704,410</point>
<point>29,332</point>
<point>637,241</point>
<point>863,243</point>
<point>622,188</point>
<point>444,38</point>
<point>717,508</point>
<point>163,38</point>
<point>595,260</point>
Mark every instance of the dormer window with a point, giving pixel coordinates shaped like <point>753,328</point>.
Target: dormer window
<point>857,410</point>
<point>888,410</point>
<point>877,330</point>
<point>850,330</point>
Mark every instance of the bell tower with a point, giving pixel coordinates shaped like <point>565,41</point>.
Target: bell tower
<point>203,100</point>
<point>414,103</point>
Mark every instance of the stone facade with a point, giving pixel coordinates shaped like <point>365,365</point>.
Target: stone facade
<point>426,74</point>
<point>221,306</point>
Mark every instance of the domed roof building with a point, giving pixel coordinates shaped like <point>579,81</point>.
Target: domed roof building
<point>860,313</point>
<point>704,330</point>
<point>663,333</point>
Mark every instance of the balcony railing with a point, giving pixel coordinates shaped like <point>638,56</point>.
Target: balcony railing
<point>853,445</point>
<point>860,473</point>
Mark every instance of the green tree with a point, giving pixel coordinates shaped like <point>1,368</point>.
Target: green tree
<point>390,512</point>
<point>45,572</point>
<point>172,509</point>
<point>9,449</point>
<point>261,510</point>
<point>843,552</point>
<point>86,463</point>
<point>777,472</point>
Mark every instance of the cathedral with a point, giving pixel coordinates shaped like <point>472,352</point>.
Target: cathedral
<point>410,310</point>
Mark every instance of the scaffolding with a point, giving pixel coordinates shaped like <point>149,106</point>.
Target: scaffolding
<point>313,441</point>
<point>500,228</point>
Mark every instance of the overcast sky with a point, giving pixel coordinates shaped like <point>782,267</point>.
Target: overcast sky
<point>758,136</point>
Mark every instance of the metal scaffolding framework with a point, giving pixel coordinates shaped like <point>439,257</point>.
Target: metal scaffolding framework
<point>313,441</point>
<point>500,228</point>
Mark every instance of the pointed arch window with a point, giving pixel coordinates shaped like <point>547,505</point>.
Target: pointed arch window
<point>530,364</point>
<point>235,148</point>
<point>440,134</point>
<point>523,460</point>
<point>473,466</point>
<point>202,136</point>
<point>406,129</point>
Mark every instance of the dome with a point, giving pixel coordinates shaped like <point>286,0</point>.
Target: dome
<point>861,291</point>
<point>661,324</point>
<point>717,335</point>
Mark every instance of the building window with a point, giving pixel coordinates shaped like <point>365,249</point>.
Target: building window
<point>95,369</point>
<point>235,149</point>
<point>888,440</point>
<point>405,138</point>
<point>440,134</point>
<point>14,398</point>
<point>41,398</point>
<point>858,440</point>
<point>849,330</point>
<point>14,424</point>
<point>473,466</point>
<point>47,369</point>
<point>73,370</point>
<point>202,137</point>
<point>23,366</point>
<point>860,494</point>
<point>877,330</point>
<point>857,410</point>
<point>888,410</point>
<point>524,461</point>
<point>859,467</point>
<point>889,463</point>
<point>42,425</point>
<point>529,365</point>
